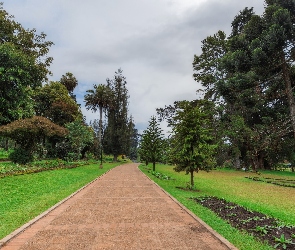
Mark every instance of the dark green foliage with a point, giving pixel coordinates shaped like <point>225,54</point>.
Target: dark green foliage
<point>78,138</point>
<point>116,139</point>
<point>21,156</point>
<point>192,142</point>
<point>53,101</point>
<point>99,98</point>
<point>70,82</point>
<point>134,140</point>
<point>23,67</point>
<point>28,132</point>
<point>249,75</point>
<point>151,146</point>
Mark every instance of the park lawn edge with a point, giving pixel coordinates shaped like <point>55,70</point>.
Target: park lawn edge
<point>17,218</point>
<point>242,240</point>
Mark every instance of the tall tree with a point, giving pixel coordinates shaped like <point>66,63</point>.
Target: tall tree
<point>134,139</point>
<point>151,149</point>
<point>253,76</point>
<point>99,98</point>
<point>23,67</point>
<point>117,136</point>
<point>192,147</point>
<point>70,82</point>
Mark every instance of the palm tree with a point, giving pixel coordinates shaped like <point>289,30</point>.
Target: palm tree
<point>99,98</point>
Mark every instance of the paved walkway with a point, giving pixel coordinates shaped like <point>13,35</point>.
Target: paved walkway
<point>122,209</point>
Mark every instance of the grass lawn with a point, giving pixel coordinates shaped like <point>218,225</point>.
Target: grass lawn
<point>232,185</point>
<point>23,197</point>
<point>4,154</point>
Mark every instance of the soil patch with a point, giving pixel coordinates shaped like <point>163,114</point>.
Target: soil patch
<point>262,227</point>
<point>278,182</point>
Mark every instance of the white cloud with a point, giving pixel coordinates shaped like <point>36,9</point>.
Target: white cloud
<point>153,41</point>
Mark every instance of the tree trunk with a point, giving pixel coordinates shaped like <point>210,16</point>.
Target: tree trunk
<point>237,162</point>
<point>192,179</point>
<point>154,166</point>
<point>6,144</point>
<point>254,161</point>
<point>289,91</point>
<point>100,134</point>
<point>100,125</point>
<point>261,161</point>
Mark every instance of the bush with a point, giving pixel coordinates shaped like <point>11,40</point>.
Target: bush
<point>21,156</point>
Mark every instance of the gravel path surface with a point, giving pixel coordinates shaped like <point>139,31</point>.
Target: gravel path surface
<point>122,209</point>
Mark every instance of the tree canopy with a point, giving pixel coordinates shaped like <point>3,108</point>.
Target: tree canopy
<point>54,102</point>
<point>23,67</point>
<point>117,134</point>
<point>151,145</point>
<point>28,132</point>
<point>250,77</point>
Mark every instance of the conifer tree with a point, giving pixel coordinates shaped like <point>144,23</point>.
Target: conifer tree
<point>116,139</point>
<point>151,149</point>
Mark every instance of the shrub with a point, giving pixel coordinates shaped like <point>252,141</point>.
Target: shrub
<point>21,156</point>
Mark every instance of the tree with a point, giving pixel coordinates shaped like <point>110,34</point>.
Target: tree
<point>77,141</point>
<point>252,74</point>
<point>117,135</point>
<point>52,101</point>
<point>23,67</point>
<point>192,147</point>
<point>151,149</point>
<point>258,85</point>
<point>70,82</point>
<point>99,98</point>
<point>28,132</point>
<point>134,139</point>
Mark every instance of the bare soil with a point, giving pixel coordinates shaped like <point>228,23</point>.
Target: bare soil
<point>259,225</point>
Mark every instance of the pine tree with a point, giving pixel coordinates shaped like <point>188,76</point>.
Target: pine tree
<point>151,149</point>
<point>192,147</point>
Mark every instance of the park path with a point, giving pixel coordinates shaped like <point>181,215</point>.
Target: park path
<point>123,209</point>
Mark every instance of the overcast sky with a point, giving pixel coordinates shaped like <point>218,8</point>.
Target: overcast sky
<point>152,41</point>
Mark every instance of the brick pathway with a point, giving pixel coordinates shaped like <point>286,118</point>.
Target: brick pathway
<point>122,209</point>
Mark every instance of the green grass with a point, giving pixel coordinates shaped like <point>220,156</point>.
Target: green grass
<point>23,197</point>
<point>4,154</point>
<point>233,186</point>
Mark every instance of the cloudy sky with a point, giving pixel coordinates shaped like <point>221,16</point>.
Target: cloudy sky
<point>152,41</point>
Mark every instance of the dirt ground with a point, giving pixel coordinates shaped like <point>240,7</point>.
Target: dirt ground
<point>122,209</point>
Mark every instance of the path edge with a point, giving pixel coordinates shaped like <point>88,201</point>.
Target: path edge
<point>19,230</point>
<point>210,229</point>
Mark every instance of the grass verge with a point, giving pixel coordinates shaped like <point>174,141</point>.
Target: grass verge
<point>231,185</point>
<point>23,197</point>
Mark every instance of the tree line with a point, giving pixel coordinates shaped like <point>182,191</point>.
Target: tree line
<point>247,111</point>
<point>41,118</point>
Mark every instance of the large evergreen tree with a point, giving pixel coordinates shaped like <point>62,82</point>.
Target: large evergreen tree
<point>251,72</point>
<point>117,135</point>
<point>134,139</point>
